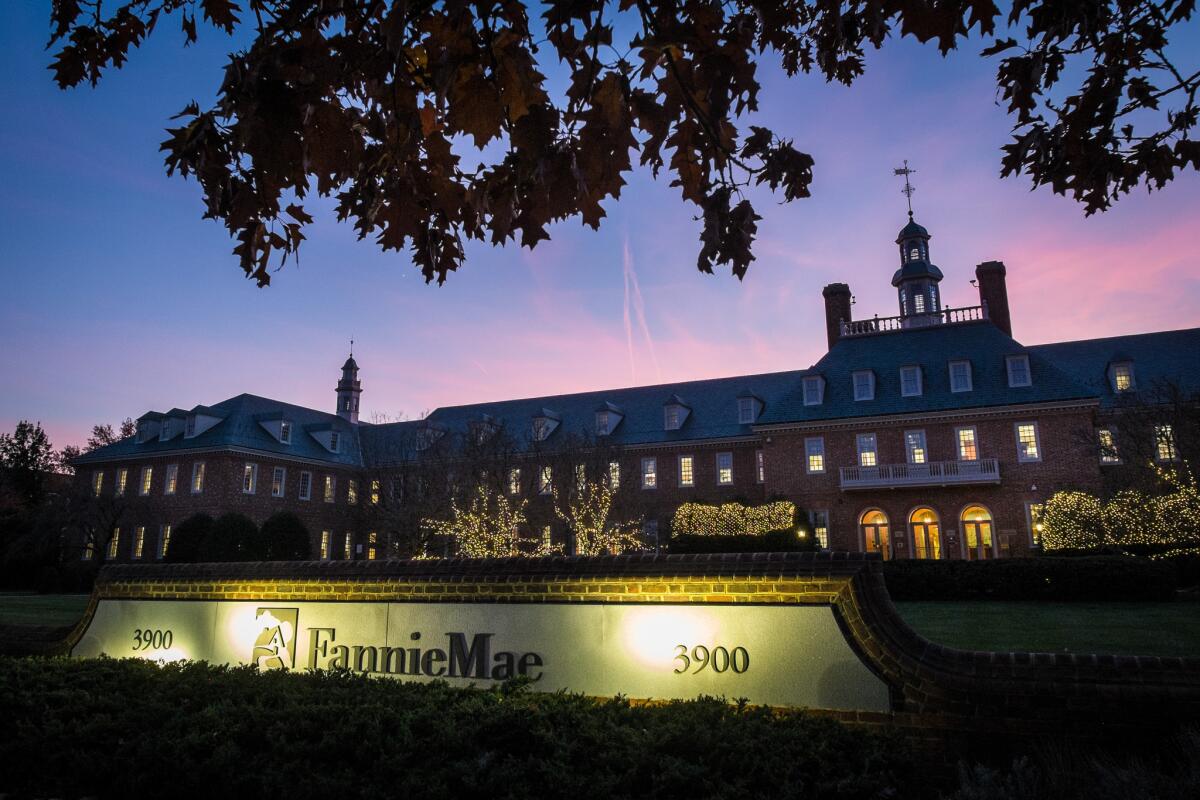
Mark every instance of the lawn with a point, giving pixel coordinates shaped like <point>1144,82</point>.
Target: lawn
<point>1160,629</point>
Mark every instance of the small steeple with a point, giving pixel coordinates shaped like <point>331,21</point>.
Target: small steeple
<point>349,388</point>
<point>917,279</point>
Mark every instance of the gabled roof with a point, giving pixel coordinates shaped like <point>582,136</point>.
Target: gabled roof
<point>239,428</point>
<point>1165,356</point>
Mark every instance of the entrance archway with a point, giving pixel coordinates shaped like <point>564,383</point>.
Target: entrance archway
<point>978,540</point>
<point>876,533</point>
<point>926,533</point>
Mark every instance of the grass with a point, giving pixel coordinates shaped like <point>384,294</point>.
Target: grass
<point>41,609</point>
<point>1145,629</point>
<point>1153,629</point>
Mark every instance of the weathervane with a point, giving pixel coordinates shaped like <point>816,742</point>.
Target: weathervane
<point>908,189</point>
<point>352,346</point>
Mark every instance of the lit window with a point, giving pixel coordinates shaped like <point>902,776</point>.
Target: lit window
<point>914,443</point>
<point>1027,442</point>
<point>164,541</point>
<point>910,381</point>
<point>352,492</point>
<point>745,410</point>
<point>614,475</point>
<point>285,432</point>
<point>1108,447</point>
<point>122,480</point>
<point>514,481</point>
<point>1018,371</point>
<point>919,303</point>
<point>139,541</point>
<point>819,521</point>
<point>374,493</point>
<point>172,482</point>
<point>250,479</point>
<point>602,423</point>
<point>330,494</point>
<point>278,478</point>
<point>97,481</point>
<point>89,550</point>
<point>864,385</point>
<point>960,376</point>
<point>1122,377</point>
<point>686,473</point>
<point>1034,516</point>
<point>189,426</point>
<point>545,481</point>
<point>305,485</point>
<point>547,536</point>
<point>913,254</point>
<point>968,448</point>
<point>325,535</point>
<point>868,455</point>
<point>198,477</point>
<point>724,469</point>
<point>649,473</point>
<point>349,543</point>
<point>114,543</point>
<point>372,540</point>
<point>147,478</point>
<point>335,440</point>
<point>814,453</point>
<point>760,467</point>
<point>814,390</point>
<point>1164,443</point>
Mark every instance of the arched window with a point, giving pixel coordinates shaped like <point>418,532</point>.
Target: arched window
<point>926,533</point>
<point>876,534</point>
<point>978,540</point>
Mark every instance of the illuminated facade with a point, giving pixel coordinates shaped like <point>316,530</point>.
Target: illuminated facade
<point>929,434</point>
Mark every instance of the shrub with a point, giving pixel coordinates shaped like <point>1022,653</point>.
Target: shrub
<point>76,728</point>
<point>234,537</point>
<point>285,538</point>
<point>189,539</point>
<point>732,519</point>
<point>782,541</point>
<point>1046,578</point>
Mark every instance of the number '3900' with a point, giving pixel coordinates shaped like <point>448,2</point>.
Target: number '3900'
<point>717,659</point>
<point>152,639</point>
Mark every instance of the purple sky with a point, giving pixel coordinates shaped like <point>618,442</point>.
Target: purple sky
<point>119,299</point>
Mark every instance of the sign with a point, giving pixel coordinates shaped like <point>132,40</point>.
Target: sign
<point>782,655</point>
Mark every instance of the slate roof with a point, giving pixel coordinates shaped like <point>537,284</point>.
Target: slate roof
<point>1061,372</point>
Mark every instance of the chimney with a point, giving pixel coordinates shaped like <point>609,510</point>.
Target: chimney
<point>993,294</point>
<point>837,310</point>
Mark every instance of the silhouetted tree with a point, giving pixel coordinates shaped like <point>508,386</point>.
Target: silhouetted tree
<point>189,539</point>
<point>285,538</point>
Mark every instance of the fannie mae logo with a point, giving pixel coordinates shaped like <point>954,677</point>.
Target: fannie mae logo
<point>457,656</point>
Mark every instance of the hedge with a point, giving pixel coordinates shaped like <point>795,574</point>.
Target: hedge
<point>1101,578</point>
<point>769,542</point>
<point>73,728</point>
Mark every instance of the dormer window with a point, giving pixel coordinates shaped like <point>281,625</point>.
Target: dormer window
<point>749,407</point>
<point>1018,371</point>
<point>910,381</point>
<point>285,432</point>
<point>1121,377</point>
<point>814,390</point>
<point>189,426</point>
<point>864,384</point>
<point>335,441</point>
<point>960,376</point>
<point>483,429</point>
<point>675,413</point>
<point>603,427</point>
<point>164,432</point>
<point>144,431</point>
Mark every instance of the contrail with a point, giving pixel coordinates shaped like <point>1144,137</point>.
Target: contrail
<point>639,308</point>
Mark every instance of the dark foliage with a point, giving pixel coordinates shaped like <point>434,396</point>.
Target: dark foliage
<point>283,537</point>
<point>1048,579</point>
<point>785,541</point>
<point>132,729</point>
<point>233,537</point>
<point>375,104</point>
<point>189,539</point>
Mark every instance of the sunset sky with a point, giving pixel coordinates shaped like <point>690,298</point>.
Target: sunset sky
<point>119,299</point>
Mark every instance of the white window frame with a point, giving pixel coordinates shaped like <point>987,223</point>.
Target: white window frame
<point>1116,377</point>
<point>614,475</point>
<point>147,481</point>
<point>1009,361</point>
<point>278,481</point>
<point>189,426</point>
<point>514,481</point>
<point>673,416</point>
<point>305,485</point>
<point>867,387</point>
<point>1022,456</point>
<point>97,482</point>
<point>285,432</point>
<point>650,472</point>
<point>1109,454</point>
<point>958,442</point>
<point>325,537</point>
<point>139,543</point>
<point>249,478</point>
<point>820,532</point>
<point>603,422</point>
<point>725,473</point>
<point>114,544</point>
<point>1165,435</point>
<point>687,467</point>
<point>171,483</point>
<point>970,378</point>
<point>760,466</point>
<point>329,489</point>
<point>164,540</point>
<point>810,453</point>
<point>352,492</point>
<point>909,450</point>
<point>813,390</point>
<point>545,480</point>
<point>746,413</point>
<point>197,484</point>
<point>911,370</point>
<point>335,441</point>
<point>860,443</point>
<point>122,482</point>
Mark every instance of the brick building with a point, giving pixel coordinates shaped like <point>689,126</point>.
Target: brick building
<point>932,433</point>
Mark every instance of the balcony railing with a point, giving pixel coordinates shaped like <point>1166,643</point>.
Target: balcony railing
<point>934,473</point>
<point>946,316</point>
